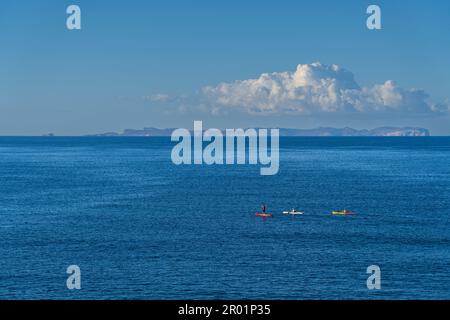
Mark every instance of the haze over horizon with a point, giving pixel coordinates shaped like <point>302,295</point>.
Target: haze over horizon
<point>227,63</point>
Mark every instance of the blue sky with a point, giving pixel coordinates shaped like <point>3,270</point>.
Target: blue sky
<point>103,77</point>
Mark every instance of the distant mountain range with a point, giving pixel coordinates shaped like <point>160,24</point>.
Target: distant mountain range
<point>317,132</point>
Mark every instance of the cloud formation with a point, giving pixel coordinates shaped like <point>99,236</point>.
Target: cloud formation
<point>317,89</point>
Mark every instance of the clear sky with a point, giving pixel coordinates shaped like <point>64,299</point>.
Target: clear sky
<point>141,63</point>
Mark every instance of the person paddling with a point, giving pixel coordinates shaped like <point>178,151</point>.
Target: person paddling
<point>264,213</point>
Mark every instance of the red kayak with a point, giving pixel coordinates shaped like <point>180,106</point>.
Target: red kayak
<point>264,215</point>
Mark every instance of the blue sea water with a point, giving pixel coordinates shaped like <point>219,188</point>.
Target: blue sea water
<point>140,227</point>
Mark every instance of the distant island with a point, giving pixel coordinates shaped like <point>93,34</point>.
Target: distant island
<point>317,132</point>
<point>350,132</point>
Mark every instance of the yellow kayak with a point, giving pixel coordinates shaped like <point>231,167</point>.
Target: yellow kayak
<point>342,213</point>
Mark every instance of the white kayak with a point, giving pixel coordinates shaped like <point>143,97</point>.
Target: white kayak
<point>293,213</point>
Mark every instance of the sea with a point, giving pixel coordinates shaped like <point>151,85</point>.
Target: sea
<point>140,227</point>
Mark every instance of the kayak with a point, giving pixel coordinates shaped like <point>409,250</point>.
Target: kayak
<point>264,215</point>
<point>342,213</point>
<point>293,213</point>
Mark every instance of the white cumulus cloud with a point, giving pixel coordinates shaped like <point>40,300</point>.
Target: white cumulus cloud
<point>316,88</point>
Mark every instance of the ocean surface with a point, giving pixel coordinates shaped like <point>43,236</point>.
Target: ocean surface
<point>140,227</point>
